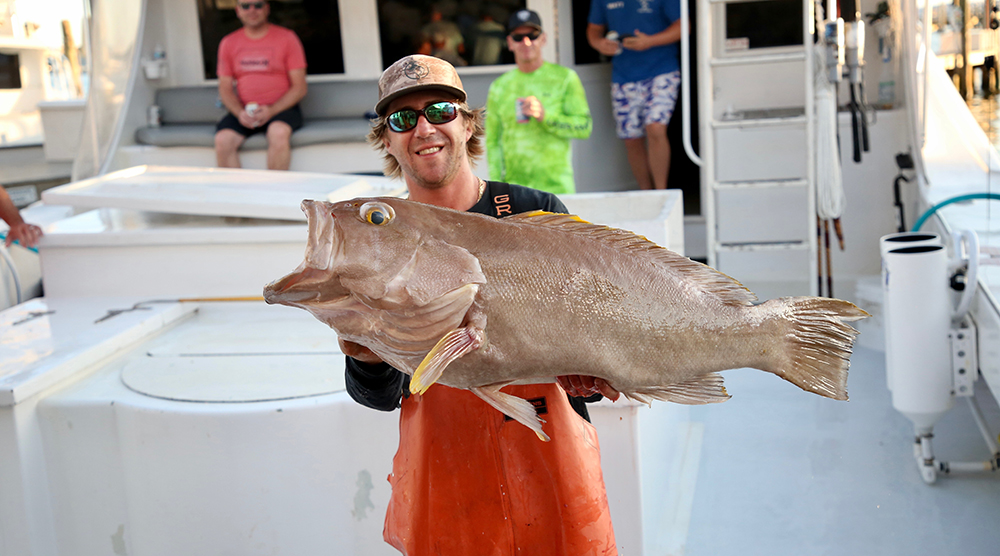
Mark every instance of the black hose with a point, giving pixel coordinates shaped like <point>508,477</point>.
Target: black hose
<point>863,108</point>
<point>854,125</point>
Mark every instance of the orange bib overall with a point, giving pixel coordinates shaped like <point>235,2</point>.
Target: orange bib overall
<point>467,481</point>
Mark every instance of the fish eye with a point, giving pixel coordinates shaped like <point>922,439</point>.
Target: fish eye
<point>377,213</point>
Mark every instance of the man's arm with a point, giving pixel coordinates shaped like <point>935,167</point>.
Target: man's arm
<point>595,36</point>
<point>26,234</point>
<point>572,119</point>
<point>227,93</point>
<point>292,96</point>
<point>494,129</point>
<point>642,41</point>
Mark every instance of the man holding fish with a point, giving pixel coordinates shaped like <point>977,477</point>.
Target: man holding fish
<point>483,305</point>
<point>466,479</point>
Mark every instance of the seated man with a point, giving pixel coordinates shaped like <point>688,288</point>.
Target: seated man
<point>262,78</point>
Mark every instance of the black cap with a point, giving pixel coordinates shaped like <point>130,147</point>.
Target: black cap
<point>524,17</point>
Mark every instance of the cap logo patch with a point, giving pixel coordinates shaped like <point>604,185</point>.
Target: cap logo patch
<point>415,70</point>
<point>523,15</point>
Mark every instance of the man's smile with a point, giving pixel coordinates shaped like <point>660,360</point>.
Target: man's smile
<point>429,150</point>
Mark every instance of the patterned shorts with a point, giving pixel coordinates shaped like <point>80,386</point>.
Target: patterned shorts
<point>641,103</point>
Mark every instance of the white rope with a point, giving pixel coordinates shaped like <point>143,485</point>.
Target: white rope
<point>830,198</point>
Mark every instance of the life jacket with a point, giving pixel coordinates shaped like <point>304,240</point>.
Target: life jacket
<point>467,480</point>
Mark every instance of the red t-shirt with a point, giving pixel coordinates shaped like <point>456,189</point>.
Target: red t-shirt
<point>261,66</point>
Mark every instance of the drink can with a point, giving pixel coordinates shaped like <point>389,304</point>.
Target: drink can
<point>252,108</point>
<point>519,114</point>
<point>153,116</point>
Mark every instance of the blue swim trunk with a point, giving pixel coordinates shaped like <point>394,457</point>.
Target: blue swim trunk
<point>640,103</point>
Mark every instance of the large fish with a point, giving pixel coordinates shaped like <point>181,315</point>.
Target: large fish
<point>474,302</point>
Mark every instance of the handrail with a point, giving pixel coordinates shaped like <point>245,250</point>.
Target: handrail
<point>686,84</point>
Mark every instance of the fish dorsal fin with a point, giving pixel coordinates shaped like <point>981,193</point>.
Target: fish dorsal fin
<point>726,288</point>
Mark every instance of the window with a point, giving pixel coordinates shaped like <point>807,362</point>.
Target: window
<point>316,22</point>
<point>10,71</point>
<point>765,24</point>
<point>464,33</point>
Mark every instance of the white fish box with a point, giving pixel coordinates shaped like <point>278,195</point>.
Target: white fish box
<point>227,422</point>
<point>657,215</point>
<point>112,252</point>
<point>62,121</point>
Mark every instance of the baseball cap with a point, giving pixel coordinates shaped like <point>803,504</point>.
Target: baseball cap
<point>414,73</point>
<point>524,17</point>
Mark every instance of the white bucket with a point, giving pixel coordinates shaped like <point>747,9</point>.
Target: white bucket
<point>918,319</point>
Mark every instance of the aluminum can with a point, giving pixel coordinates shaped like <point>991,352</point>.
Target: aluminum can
<point>153,116</point>
<point>252,108</point>
<point>519,114</point>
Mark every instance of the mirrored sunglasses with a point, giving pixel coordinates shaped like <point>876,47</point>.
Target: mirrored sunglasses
<point>518,37</point>
<point>437,113</point>
<point>255,5</point>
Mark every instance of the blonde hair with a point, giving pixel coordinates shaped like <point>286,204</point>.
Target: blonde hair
<point>474,146</point>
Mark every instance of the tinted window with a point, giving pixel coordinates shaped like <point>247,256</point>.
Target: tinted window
<point>466,33</point>
<point>10,71</point>
<point>317,23</point>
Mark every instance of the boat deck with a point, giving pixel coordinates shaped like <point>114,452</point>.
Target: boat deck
<point>786,473</point>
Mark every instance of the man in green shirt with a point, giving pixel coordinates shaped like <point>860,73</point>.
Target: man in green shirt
<point>532,112</point>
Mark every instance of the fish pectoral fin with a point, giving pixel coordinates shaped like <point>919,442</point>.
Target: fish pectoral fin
<point>514,407</point>
<point>697,391</point>
<point>453,345</point>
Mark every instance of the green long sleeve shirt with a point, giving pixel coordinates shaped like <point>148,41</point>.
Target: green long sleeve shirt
<point>536,154</point>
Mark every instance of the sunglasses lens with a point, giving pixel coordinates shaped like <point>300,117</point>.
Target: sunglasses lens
<point>404,120</point>
<point>441,112</point>
<point>518,37</point>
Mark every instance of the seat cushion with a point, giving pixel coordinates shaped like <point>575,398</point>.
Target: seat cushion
<point>312,132</point>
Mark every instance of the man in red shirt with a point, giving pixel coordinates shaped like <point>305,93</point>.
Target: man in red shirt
<point>262,78</point>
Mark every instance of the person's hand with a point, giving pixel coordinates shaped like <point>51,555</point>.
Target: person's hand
<point>583,386</point>
<point>607,47</point>
<point>359,352</point>
<point>262,115</point>
<point>533,107</point>
<point>246,120</point>
<point>25,234</point>
<point>640,41</point>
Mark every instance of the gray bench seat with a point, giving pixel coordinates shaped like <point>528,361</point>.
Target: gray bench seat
<point>312,132</point>
<point>332,112</point>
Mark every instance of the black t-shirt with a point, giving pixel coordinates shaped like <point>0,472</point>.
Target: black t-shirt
<point>381,386</point>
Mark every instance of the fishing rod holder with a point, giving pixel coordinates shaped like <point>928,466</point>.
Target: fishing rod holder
<point>932,342</point>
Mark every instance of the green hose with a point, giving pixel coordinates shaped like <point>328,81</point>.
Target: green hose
<point>956,199</point>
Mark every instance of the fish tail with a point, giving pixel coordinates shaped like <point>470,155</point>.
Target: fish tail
<point>815,347</point>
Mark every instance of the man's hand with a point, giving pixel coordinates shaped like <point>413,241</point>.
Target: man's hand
<point>359,352</point>
<point>533,108</point>
<point>607,47</point>
<point>262,115</point>
<point>246,120</point>
<point>25,234</point>
<point>583,386</point>
<point>641,41</point>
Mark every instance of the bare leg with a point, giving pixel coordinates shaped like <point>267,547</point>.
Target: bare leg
<point>639,161</point>
<point>279,149</point>
<point>227,145</point>
<point>659,154</point>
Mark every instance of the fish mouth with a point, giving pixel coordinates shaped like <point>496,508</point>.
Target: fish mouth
<point>322,248</point>
<point>283,291</point>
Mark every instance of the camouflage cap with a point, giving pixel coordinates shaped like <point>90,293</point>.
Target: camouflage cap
<point>416,73</point>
